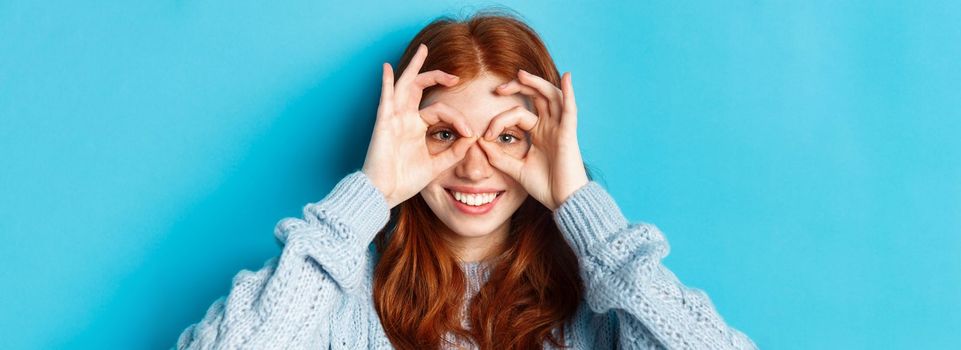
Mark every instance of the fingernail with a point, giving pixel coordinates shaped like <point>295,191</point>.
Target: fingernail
<point>504,85</point>
<point>524,72</point>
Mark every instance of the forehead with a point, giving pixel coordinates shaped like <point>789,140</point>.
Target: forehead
<point>476,99</point>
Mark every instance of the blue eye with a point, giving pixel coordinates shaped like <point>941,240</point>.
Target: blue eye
<point>447,135</point>
<point>507,138</point>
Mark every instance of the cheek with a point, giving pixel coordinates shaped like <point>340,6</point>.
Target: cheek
<point>517,190</point>
<point>434,192</point>
<point>434,148</point>
<point>517,149</point>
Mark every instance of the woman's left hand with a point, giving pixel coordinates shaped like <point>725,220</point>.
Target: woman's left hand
<point>553,167</point>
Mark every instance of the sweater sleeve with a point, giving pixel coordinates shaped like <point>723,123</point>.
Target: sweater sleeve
<point>287,302</point>
<point>622,270</point>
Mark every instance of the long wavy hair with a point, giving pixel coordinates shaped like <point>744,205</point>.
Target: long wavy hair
<point>534,285</point>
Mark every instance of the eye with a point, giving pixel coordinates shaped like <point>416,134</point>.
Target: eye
<point>508,137</point>
<point>446,135</point>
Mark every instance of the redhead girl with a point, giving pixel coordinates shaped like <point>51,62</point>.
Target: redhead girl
<point>473,224</point>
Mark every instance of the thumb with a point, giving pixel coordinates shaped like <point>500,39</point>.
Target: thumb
<point>452,155</point>
<point>501,160</point>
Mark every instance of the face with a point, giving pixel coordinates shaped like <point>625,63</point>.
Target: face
<point>474,180</point>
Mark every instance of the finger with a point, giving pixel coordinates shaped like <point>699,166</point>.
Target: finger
<point>415,64</point>
<point>541,102</point>
<point>518,115</point>
<point>551,92</point>
<point>387,87</point>
<point>501,160</point>
<point>439,111</point>
<point>414,93</point>
<point>570,106</point>
<point>452,155</point>
<point>514,86</point>
<point>434,77</point>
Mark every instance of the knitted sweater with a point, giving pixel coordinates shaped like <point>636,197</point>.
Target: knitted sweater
<point>317,292</point>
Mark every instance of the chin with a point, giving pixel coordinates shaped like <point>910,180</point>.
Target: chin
<point>473,232</point>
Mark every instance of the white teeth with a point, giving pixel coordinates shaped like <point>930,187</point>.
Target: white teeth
<point>474,199</point>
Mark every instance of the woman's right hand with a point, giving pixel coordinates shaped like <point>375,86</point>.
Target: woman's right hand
<point>398,162</point>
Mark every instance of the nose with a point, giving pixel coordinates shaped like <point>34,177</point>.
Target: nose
<point>474,166</point>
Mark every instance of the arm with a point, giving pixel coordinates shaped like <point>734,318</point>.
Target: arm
<point>622,270</point>
<point>288,300</point>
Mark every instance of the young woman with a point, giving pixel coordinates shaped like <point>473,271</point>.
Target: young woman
<point>472,224</point>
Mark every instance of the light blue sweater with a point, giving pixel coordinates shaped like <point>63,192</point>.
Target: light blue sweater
<point>317,293</point>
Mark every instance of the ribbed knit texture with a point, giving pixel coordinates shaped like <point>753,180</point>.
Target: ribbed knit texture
<point>317,293</point>
<point>477,274</point>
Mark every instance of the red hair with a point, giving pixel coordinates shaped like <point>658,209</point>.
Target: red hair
<point>534,287</point>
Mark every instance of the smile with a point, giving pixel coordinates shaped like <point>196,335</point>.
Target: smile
<point>474,203</point>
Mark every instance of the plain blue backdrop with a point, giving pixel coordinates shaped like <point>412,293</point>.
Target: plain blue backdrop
<point>802,158</point>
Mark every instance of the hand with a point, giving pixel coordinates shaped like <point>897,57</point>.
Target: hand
<point>553,167</point>
<point>398,162</point>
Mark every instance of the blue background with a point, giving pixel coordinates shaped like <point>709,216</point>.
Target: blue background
<point>803,158</point>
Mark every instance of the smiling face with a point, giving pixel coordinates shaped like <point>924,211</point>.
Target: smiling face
<point>457,194</point>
